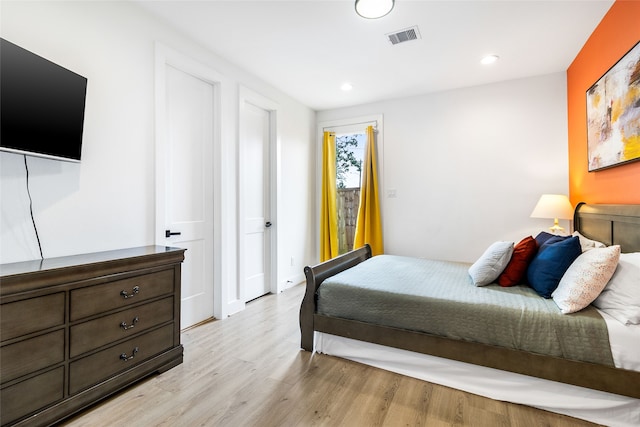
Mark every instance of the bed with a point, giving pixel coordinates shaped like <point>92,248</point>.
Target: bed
<point>597,390</point>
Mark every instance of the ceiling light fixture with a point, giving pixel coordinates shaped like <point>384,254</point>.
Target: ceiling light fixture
<point>489,59</point>
<point>346,86</point>
<point>373,9</point>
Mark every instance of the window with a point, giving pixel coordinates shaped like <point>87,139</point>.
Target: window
<point>349,154</point>
<point>339,206</point>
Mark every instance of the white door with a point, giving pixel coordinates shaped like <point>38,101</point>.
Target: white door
<point>255,136</point>
<point>185,205</point>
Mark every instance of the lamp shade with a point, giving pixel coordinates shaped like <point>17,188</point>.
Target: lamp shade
<point>553,206</point>
<point>373,9</point>
<point>556,206</point>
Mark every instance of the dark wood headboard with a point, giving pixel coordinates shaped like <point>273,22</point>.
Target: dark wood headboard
<point>610,224</point>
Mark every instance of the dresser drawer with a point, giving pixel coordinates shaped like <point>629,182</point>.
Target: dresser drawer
<point>98,332</point>
<point>31,315</point>
<point>30,395</point>
<point>121,293</point>
<point>101,365</point>
<point>31,355</point>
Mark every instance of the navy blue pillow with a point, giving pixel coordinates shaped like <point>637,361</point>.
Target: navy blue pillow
<point>544,237</point>
<point>550,263</point>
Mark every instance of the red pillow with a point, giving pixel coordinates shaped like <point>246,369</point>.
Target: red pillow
<point>515,271</point>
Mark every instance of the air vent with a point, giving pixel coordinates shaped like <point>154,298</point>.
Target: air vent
<point>405,35</point>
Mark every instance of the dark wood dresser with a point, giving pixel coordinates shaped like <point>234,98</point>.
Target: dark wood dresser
<point>76,329</point>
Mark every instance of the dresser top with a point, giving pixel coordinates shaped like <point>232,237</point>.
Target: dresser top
<point>77,267</point>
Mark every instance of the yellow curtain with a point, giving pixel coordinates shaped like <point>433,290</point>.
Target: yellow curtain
<point>328,213</point>
<point>369,223</point>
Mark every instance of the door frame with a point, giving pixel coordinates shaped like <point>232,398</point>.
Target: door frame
<point>164,56</point>
<point>248,96</point>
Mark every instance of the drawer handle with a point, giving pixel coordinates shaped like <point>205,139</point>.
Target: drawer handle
<point>134,292</point>
<point>124,325</point>
<point>126,358</point>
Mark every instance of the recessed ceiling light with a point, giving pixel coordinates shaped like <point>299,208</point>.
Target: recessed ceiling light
<point>346,87</point>
<point>489,59</point>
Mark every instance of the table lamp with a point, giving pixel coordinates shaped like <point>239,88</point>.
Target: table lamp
<point>556,206</point>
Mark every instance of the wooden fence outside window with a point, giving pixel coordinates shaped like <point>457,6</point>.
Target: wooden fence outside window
<point>348,202</point>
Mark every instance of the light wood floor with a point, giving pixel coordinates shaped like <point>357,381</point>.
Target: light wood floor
<point>248,370</point>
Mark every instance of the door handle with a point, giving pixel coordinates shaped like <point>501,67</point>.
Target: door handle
<point>268,224</point>
<point>169,233</point>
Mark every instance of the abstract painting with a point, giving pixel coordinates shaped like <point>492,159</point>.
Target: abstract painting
<point>613,114</point>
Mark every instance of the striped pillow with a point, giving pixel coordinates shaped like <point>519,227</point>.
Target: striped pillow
<point>492,262</point>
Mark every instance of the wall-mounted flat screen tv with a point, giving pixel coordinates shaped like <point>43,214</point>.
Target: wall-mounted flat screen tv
<point>42,105</point>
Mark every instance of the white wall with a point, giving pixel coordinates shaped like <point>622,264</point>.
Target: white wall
<point>107,201</point>
<point>469,165</point>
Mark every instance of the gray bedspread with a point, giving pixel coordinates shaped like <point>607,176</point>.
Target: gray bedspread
<point>439,298</point>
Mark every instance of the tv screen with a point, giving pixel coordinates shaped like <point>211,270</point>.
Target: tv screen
<point>42,105</point>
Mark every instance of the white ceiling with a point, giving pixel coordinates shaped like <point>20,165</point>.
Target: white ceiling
<point>308,48</point>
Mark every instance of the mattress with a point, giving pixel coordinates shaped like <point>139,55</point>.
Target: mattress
<point>438,297</point>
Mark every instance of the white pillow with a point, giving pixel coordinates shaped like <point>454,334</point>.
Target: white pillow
<point>492,262</point>
<point>587,244</point>
<point>621,298</point>
<point>585,278</point>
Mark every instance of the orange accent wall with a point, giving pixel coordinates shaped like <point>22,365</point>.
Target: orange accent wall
<point>618,32</point>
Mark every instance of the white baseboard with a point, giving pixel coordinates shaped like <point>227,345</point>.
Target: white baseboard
<point>292,281</point>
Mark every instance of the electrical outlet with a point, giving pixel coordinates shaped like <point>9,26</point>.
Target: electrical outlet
<point>292,262</point>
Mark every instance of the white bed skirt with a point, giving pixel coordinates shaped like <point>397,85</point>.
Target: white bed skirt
<point>578,402</point>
